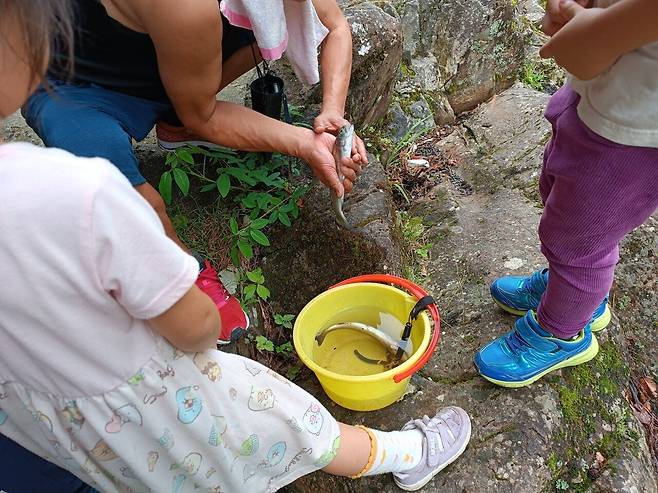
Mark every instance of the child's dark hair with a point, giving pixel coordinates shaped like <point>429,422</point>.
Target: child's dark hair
<point>43,24</point>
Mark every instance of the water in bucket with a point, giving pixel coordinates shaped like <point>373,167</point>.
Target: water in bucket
<point>336,353</point>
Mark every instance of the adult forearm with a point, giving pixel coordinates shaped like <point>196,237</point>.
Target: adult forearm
<point>336,68</point>
<point>238,127</point>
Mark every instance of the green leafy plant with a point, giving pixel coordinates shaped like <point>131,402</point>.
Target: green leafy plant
<point>285,348</point>
<point>392,155</point>
<point>284,321</point>
<point>264,344</point>
<point>256,186</point>
<point>255,285</point>
<point>542,75</point>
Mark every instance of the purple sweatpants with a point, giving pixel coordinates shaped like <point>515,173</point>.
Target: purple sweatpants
<point>594,192</point>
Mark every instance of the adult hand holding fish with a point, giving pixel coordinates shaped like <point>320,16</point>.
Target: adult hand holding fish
<point>317,151</point>
<point>332,121</point>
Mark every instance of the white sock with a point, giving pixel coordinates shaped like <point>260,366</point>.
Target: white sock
<point>394,451</point>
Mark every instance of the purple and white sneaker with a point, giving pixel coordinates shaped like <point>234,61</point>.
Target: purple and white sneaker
<point>446,437</point>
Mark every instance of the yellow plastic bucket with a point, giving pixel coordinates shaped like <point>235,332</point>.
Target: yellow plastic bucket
<point>369,392</point>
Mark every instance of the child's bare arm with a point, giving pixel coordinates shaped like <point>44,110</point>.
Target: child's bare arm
<point>192,324</point>
<point>592,40</point>
<point>637,22</point>
<point>553,19</point>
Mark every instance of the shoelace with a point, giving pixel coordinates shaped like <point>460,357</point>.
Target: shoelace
<point>213,287</point>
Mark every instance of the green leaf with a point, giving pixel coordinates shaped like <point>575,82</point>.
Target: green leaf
<point>184,155</point>
<point>264,344</point>
<point>224,184</point>
<point>250,200</point>
<point>182,180</point>
<point>285,220</point>
<point>235,257</point>
<point>233,224</point>
<point>259,223</point>
<point>246,249</point>
<point>209,187</point>
<point>256,276</point>
<point>242,175</point>
<point>284,320</point>
<point>273,217</point>
<point>259,237</point>
<point>249,291</point>
<point>165,187</point>
<point>264,200</point>
<point>262,291</point>
<point>284,348</point>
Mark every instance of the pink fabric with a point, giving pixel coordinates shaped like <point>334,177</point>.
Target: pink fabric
<point>80,270</point>
<point>595,191</point>
<point>282,26</point>
<point>236,19</point>
<point>275,53</point>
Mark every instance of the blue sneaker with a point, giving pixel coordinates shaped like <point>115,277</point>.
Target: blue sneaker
<point>518,294</point>
<point>528,352</point>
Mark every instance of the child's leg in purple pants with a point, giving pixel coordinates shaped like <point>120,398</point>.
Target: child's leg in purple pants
<point>594,191</point>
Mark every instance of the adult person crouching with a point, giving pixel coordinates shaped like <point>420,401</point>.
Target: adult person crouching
<point>142,62</point>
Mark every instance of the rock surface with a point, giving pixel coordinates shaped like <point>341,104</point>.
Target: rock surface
<point>544,437</point>
<point>464,51</point>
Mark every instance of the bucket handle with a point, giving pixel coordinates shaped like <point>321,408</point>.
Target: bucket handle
<point>418,293</point>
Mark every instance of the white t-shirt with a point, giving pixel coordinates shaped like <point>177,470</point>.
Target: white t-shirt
<point>622,103</point>
<point>84,261</point>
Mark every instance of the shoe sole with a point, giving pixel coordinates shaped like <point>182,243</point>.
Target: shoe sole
<point>427,479</point>
<point>236,335</point>
<point>575,360</point>
<point>597,325</point>
<point>172,146</point>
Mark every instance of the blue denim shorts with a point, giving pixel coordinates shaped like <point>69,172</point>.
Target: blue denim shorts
<point>91,121</point>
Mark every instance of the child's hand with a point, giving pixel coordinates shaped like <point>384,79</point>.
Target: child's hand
<point>554,19</point>
<point>581,45</point>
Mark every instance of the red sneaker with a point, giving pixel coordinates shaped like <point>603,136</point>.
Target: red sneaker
<point>234,320</point>
<point>170,138</point>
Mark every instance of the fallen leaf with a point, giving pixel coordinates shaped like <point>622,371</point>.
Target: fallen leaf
<point>648,386</point>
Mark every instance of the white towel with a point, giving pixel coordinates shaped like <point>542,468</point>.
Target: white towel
<point>280,26</point>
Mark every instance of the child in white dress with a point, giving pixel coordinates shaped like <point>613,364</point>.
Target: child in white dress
<point>108,364</point>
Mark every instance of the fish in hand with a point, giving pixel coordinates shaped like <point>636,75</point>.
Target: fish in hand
<point>342,149</point>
